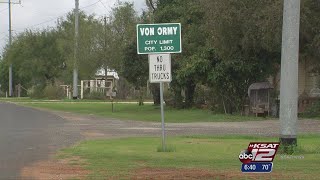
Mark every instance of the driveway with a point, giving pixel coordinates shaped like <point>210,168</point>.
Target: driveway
<point>98,127</point>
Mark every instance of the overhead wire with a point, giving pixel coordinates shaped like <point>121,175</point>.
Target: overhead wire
<point>2,10</point>
<point>109,8</point>
<point>3,38</point>
<point>52,19</point>
<point>55,18</point>
<point>103,5</point>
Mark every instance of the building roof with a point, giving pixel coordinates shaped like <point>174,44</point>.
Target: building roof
<point>258,86</point>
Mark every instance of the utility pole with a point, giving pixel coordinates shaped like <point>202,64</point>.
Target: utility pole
<point>105,46</point>
<point>105,32</point>
<point>76,36</point>
<point>105,55</point>
<point>10,41</point>
<point>289,73</point>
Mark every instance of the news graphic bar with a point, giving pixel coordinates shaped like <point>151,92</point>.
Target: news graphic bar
<point>257,167</point>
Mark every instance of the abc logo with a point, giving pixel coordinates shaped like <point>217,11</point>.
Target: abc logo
<point>245,156</point>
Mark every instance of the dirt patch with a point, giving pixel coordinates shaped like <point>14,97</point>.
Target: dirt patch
<point>186,174</point>
<point>56,169</point>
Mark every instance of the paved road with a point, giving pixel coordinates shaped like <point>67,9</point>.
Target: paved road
<point>27,136</point>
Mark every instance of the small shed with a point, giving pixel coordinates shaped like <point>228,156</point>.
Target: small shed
<point>259,95</point>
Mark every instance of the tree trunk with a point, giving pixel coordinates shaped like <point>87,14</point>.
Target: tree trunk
<point>155,90</point>
<point>190,89</point>
<point>141,99</point>
<point>177,98</point>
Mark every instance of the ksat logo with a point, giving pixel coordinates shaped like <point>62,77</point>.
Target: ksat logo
<point>259,152</point>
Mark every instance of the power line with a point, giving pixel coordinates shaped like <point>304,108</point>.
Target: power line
<point>103,5</point>
<point>109,8</point>
<point>91,4</point>
<point>44,22</point>
<point>55,18</point>
<point>3,38</point>
<point>2,10</point>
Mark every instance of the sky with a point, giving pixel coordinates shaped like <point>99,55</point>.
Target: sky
<point>38,14</point>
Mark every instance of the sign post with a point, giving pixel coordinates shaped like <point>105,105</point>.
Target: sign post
<point>163,128</point>
<point>159,41</point>
<point>159,72</point>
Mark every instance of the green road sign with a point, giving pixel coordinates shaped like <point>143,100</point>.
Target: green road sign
<point>159,38</point>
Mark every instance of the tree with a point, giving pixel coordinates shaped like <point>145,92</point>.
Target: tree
<point>35,57</point>
<point>122,54</point>
<point>246,37</point>
<point>121,32</point>
<point>309,33</point>
<point>90,45</point>
<point>191,16</point>
<point>45,56</point>
<point>135,69</point>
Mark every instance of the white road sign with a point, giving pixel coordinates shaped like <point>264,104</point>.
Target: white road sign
<point>160,68</point>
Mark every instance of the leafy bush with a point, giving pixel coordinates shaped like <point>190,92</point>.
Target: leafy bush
<point>53,92</point>
<point>36,92</point>
<point>313,111</point>
<point>168,97</point>
<point>95,95</point>
<point>2,94</point>
<point>49,92</point>
<point>201,96</point>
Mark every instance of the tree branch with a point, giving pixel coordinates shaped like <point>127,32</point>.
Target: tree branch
<point>151,5</point>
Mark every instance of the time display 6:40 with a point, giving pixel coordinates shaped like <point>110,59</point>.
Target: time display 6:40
<point>257,167</point>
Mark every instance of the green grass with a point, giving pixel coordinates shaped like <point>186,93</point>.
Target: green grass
<point>29,100</point>
<point>148,112</point>
<point>121,158</point>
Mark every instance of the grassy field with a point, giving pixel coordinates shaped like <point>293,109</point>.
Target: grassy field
<point>132,111</point>
<point>194,157</point>
<point>29,100</point>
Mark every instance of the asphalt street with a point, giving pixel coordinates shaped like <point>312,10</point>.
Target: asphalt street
<point>28,135</point>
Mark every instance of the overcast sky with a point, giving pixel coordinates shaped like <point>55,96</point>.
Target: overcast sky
<point>37,14</point>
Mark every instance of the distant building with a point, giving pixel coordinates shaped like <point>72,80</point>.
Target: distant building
<point>309,84</point>
<point>102,83</point>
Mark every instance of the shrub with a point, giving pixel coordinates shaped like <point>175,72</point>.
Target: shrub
<point>49,92</point>
<point>168,97</point>
<point>201,96</point>
<point>96,95</point>
<point>2,94</point>
<point>53,92</point>
<point>313,111</point>
<point>36,92</point>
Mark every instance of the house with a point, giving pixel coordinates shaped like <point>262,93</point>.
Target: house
<point>102,83</point>
<point>308,84</point>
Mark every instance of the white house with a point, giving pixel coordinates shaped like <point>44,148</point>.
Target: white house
<point>102,83</point>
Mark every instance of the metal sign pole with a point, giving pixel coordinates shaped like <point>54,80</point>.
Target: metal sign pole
<point>160,72</point>
<point>162,119</point>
